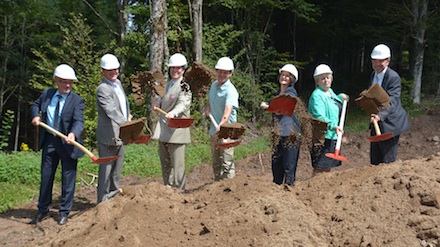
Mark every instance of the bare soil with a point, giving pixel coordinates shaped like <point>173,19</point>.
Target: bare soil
<point>354,205</point>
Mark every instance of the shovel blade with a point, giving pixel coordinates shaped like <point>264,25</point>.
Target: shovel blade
<point>378,138</point>
<point>141,140</point>
<point>282,105</point>
<point>230,144</point>
<point>336,156</point>
<point>104,160</point>
<point>180,122</point>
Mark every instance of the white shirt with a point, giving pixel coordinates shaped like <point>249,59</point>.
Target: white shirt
<point>121,97</point>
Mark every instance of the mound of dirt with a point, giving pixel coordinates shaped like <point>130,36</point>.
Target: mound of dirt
<point>355,205</point>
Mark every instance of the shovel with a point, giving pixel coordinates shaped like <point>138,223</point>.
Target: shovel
<point>131,132</point>
<point>336,155</point>
<point>81,147</point>
<point>379,137</point>
<point>177,122</point>
<point>224,143</point>
<point>283,104</point>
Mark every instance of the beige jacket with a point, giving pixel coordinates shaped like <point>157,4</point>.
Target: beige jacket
<point>177,100</point>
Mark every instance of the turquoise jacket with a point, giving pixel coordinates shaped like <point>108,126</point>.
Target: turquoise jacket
<point>326,108</point>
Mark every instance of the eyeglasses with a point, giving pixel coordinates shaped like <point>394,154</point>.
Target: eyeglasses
<point>65,81</point>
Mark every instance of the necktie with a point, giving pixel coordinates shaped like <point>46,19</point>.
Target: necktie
<point>57,113</point>
<point>376,78</point>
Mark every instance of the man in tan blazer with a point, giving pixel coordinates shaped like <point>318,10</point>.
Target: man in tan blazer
<point>172,141</point>
<point>113,111</point>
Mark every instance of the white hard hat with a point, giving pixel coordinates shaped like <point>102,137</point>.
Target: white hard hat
<point>291,69</point>
<point>177,60</point>
<point>381,51</point>
<point>109,62</point>
<point>64,71</point>
<point>322,69</point>
<point>225,63</point>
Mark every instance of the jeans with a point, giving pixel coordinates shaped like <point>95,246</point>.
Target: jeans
<point>284,161</point>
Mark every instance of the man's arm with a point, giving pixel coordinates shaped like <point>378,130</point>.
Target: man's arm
<point>226,115</point>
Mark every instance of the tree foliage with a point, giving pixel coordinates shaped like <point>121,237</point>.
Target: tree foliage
<point>260,36</point>
<point>84,59</point>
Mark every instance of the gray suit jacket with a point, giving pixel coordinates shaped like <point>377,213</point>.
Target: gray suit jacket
<point>110,116</point>
<point>394,118</point>
<point>177,100</point>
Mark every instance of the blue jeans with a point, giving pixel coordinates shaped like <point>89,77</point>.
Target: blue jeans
<point>284,161</point>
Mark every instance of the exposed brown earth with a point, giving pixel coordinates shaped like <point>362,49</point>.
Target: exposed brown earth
<point>354,205</point>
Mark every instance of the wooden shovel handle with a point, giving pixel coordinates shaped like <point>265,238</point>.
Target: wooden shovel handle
<point>376,127</point>
<point>73,142</point>
<point>161,111</point>
<point>213,120</point>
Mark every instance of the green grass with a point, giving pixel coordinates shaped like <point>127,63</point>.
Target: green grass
<point>20,172</point>
<point>356,120</point>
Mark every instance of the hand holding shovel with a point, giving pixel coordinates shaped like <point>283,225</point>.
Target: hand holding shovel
<point>224,143</point>
<point>371,101</point>
<point>379,137</point>
<point>336,155</point>
<point>81,147</point>
<point>176,122</point>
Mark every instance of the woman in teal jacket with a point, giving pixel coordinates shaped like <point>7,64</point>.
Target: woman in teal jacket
<point>325,105</point>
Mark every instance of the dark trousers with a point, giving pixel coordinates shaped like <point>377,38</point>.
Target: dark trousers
<point>284,161</point>
<point>53,152</point>
<point>319,160</point>
<point>384,151</point>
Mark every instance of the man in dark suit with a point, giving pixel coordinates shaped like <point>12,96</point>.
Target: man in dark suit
<point>62,109</point>
<point>392,119</point>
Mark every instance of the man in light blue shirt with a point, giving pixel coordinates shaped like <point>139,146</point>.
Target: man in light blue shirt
<point>223,105</point>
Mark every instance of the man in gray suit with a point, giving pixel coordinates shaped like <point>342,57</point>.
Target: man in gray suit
<point>393,118</point>
<point>172,141</point>
<point>113,111</point>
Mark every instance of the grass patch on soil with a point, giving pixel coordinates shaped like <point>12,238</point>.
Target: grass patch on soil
<point>20,172</point>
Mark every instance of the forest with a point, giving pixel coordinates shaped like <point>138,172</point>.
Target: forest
<point>259,35</point>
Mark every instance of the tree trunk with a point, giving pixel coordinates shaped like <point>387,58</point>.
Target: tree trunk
<point>197,26</point>
<point>157,34</point>
<point>122,22</point>
<point>437,95</point>
<point>197,32</point>
<point>158,47</point>
<point>419,13</point>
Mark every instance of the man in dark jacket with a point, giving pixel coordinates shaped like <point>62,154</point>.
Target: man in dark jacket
<point>392,119</point>
<point>61,109</point>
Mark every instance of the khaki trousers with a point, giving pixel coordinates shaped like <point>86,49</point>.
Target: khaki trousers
<point>222,160</point>
<point>172,160</point>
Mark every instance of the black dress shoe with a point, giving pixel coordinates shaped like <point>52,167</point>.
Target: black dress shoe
<point>38,219</point>
<point>63,220</point>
